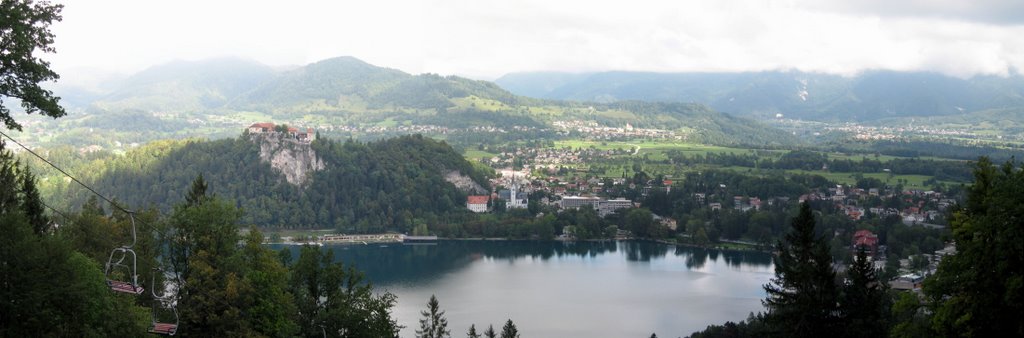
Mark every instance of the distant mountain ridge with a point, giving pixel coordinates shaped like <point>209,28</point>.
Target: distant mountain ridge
<point>186,85</point>
<point>347,91</point>
<point>347,83</point>
<point>869,96</point>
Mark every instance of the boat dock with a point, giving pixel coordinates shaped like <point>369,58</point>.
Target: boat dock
<point>361,239</point>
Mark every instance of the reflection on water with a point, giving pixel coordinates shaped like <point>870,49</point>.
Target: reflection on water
<point>567,289</point>
<point>396,263</point>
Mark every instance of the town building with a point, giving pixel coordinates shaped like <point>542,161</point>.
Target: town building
<point>516,199</point>
<point>262,127</point>
<point>477,203</point>
<point>266,127</point>
<point>575,202</point>
<point>866,239</point>
<point>908,282</point>
<point>605,208</point>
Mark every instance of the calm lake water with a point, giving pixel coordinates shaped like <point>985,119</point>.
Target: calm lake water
<point>574,289</point>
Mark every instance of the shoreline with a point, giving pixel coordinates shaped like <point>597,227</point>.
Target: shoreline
<point>718,246</point>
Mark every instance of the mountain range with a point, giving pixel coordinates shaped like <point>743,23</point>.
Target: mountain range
<point>868,96</point>
<point>347,91</point>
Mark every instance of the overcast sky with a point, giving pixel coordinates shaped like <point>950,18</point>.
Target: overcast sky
<point>486,39</point>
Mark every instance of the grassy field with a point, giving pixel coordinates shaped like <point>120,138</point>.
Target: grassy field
<point>476,155</point>
<point>909,181</point>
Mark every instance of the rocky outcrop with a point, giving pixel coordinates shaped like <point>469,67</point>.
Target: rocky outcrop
<point>463,182</point>
<point>293,159</point>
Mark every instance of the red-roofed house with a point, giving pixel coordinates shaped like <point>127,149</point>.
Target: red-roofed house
<point>264,127</point>
<point>867,239</point>
<point>477,203</point>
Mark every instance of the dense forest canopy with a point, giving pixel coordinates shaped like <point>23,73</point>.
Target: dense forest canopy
<point>388,185</point>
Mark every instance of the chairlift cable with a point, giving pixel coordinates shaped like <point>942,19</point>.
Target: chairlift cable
<point>76,180</point>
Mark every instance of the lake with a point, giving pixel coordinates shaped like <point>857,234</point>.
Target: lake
<point>571,289</point>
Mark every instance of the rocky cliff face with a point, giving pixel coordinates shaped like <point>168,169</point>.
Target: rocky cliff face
<point>295,160</point>
<point>463,182</point>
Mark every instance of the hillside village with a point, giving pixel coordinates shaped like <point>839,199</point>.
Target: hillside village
<point>913,207</point>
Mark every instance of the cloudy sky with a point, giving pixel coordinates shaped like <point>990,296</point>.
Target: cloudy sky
<point>488,38</point>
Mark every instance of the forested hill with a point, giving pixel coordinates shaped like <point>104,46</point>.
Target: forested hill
<point>203,98</point>
<point>865,97</point>
<point>185,86</point>
<point>351,85</point>
<point>364,187</point>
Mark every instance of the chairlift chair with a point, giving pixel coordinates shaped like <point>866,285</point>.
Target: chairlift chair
<point>163,302</point>
<point>117,261</point>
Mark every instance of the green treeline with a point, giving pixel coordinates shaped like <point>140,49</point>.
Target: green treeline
<point>944,170</point>
<point>963,150</point>
<point>389,185</point>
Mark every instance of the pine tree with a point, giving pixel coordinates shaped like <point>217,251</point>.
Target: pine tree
<point>197,194</point>
<point>31,203</point>
<point>433,324</point>
<point>864,303</point>
<point>8,180</point>
<point>802,296</point>
<point>489,333</point>
<point>509,330</point>
<point>472,332</point>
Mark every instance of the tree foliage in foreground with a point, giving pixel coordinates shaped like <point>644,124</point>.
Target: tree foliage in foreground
<point>979,291</point>
<point>25,30</point>
<point>806,300</point>
<point>47,288</point>
<point>51,283</point>
<point>333,300</point>
<point>242,291</point>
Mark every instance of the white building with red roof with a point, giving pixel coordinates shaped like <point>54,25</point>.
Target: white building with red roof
<point>477,203</point>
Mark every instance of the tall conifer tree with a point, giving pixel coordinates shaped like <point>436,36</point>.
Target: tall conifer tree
<point>802,297</point>
<point>865,306</point>
<point>433,324</point>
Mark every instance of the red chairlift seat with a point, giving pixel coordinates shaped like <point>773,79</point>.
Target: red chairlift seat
<point>117,262</point>
<point>166,302</point>
<point>163,328</point>
<point>125,287</point>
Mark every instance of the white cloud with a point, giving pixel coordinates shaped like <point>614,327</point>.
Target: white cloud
<point>489,38</point>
